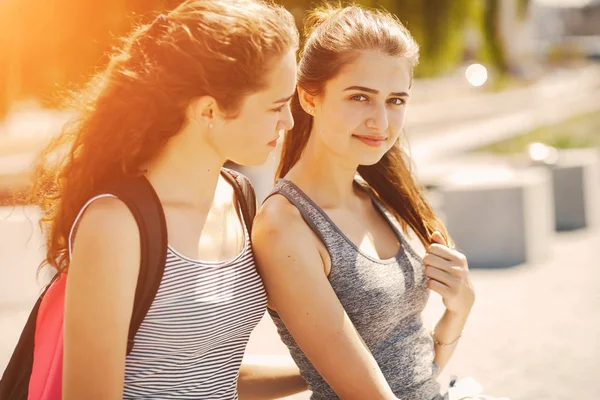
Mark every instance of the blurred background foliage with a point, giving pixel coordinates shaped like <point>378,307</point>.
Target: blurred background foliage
<point>47,45</point>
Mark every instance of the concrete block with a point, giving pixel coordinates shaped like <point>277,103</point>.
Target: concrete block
<point>576,180</point>
<point>500,217</point>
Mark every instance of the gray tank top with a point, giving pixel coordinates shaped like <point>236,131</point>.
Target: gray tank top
<point>383,298</point>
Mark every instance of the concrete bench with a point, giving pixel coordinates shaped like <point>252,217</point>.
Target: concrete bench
<point>576,183</point>
<point>499,216</point>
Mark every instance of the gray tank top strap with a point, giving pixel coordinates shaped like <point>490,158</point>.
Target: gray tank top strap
<point>314,216</point>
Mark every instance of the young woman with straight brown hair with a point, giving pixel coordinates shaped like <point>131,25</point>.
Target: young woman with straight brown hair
<point>346,290</point>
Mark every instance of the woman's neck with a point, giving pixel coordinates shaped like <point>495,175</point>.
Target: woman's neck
<point>186,172</point>
<point>326,177</point>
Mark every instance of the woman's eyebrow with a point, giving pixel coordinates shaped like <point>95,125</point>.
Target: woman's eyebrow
<point>374,91</point>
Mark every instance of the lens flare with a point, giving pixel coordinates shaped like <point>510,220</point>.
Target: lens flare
<point>476,74</point>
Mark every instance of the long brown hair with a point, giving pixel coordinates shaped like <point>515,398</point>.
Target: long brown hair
<point>334,37</point>
<point>220,48</point>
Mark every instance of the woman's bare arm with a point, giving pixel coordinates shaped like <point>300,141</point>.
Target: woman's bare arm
<point>99,299</point>
<point>269,380</point>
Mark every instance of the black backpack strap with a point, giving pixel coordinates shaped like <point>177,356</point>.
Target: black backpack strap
<point>143,202</point>
<point>14,384</point>
<point>244,193</point>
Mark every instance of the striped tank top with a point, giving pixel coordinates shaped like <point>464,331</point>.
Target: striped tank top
<point>384,300</point>
<point>192,340</point>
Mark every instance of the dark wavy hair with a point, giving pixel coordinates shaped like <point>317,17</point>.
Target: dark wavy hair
<point>220,48</point>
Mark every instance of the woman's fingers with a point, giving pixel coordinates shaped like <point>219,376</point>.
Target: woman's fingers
<point>438,287</point>
<point>431,260</point>
<point>437,261</point>
<point>441,276</point>
<point>448,254</point>
<point>438,238</point>
<point>448,275</point>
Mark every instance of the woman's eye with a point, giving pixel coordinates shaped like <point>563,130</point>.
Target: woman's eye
<point>359,97</point>
<point>397,101</point>
<point>279,109</point>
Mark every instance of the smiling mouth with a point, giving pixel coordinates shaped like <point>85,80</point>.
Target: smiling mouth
<point>273,143</point>
<point>373,141</point>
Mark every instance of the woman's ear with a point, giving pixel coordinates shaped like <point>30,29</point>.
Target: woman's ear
<point>307,101</point>
<point>203,110</point>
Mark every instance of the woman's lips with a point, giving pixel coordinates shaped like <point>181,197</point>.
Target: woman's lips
<point>372,141</point>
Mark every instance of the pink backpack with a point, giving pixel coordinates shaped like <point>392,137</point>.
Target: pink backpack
<point>45,382</point>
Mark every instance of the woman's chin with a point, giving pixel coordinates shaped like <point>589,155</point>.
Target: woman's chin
<point>370,159</point>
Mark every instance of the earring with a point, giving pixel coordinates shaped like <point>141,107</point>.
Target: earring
<point>310,111</point>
